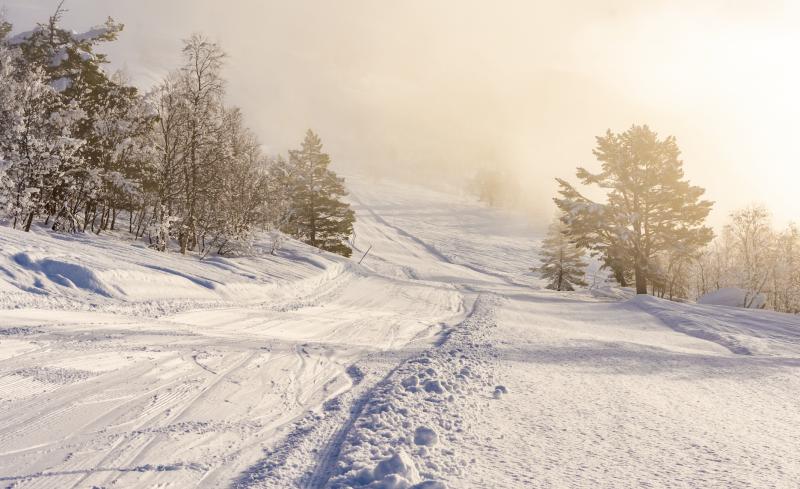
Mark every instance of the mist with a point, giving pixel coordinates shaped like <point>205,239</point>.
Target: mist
<point>433,91</point>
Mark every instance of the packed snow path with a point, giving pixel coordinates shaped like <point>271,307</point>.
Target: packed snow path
<point>438,363</point>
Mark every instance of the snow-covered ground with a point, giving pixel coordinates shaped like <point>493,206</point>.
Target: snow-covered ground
<point>438,362</point>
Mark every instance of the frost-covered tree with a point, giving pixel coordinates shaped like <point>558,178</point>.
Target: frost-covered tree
<point>9,109</point>
<point>70,60</point>
<point>237,190</point>
<point>94,110</point>
<point>495,187</point>
<point>202,88</point>
<point>650,208</point>
<point>785,276</point>
<point>753,245</point>
<point>318,217</point>
<point>114,159</point>
<point>36,145</point>
<point>163,181</point>
<point>750,255</point>
<point>562,262</point>
<point>80,147</point>
<point>208,187</point>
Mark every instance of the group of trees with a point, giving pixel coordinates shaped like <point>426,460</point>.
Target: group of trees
<point>650,231</point>
<point>652,220</point>
<point>752,256</point>
<point>82,150</point>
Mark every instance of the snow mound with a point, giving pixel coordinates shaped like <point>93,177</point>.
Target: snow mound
<point>741,331</point>
<point>46,270</point>
<point>62,272</point>
<point>732,297</point>
<point>396,471</point>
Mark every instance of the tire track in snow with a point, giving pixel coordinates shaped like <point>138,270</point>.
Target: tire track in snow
<point>330,452</point>
<point>260,474</point>
<point>148,441</point>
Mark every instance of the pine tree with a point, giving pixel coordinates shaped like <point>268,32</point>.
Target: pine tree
<point>562,262</point>
<point>650,208</point>
<point>319,217</point>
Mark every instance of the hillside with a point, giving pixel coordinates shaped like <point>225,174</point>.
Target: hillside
<point>439,361</point>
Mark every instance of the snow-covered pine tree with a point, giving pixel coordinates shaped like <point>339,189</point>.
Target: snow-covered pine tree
<point>651,209</point>
<point>319,217</point>
<point>281,177</point>
<point>562,262</point>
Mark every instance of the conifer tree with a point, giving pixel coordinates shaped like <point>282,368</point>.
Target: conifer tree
<point>562,262</point>
<point>318,217</point>
<point>650,209</point>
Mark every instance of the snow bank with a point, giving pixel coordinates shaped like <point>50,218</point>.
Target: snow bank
<point>42,269</point>
<point>742,331</point>
<point>732,297</point>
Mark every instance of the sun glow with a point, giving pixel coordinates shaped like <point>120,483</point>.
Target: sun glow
<point>733,85</point>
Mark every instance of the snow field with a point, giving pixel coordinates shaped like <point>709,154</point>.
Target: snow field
<point>598,402</point>
<point>438,362</point>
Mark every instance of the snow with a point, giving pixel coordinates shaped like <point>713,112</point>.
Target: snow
<point>93,33</point>
<point>440,361</point>
<point>732,297</point>
<point>61,84</point>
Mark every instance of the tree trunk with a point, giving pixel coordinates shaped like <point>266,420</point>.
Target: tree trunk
<point>641,279</point>
<point>28,222</point>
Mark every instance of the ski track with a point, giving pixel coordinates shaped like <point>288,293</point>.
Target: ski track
<point>438,363</point>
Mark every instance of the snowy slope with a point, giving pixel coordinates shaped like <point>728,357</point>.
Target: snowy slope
<point>438,362</point>
<point>120,364</point>
<point>44,269</point>
<point>549,389</point>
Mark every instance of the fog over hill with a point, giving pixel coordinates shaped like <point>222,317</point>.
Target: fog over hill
<point>432,91</point>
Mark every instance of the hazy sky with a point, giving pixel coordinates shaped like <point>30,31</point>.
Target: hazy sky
<point>415,85</point>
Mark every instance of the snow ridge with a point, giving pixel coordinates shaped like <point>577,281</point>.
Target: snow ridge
<point>407,433</point>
